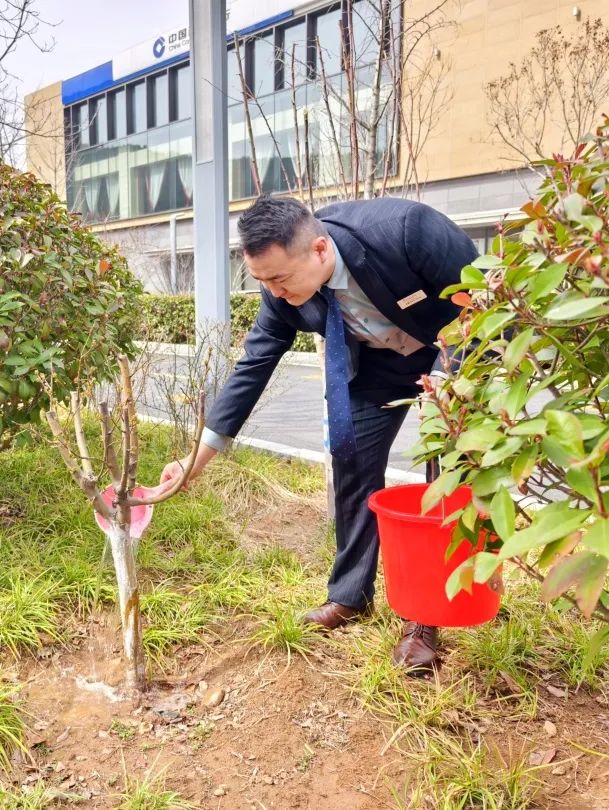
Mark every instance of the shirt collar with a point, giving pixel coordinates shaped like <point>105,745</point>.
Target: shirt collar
<point>339,280</point>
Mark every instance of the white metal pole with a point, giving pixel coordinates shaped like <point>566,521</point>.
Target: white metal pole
<point>173,254</point>
<point>210,165</point>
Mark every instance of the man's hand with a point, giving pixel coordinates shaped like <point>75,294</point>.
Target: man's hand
<point>431,384</point>
<point>173,471</point>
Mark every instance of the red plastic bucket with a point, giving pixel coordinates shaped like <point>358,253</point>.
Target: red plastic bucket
<point>413,548</point>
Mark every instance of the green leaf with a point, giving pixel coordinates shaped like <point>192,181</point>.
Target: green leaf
<point>461,579</point>
<point>566,429</point>
<point>584,571</point>
<point>445,484</point>
<point>594,647</point>
<point>501,452</point>
<point>503,513</point>
<point>517,349</point>
<point>479,438</point>
<point>551,523</point>
<point>493,322</point>
<point>488,481</point>
<point>487,262</point>
<point>573,206</point>
<point>545,281</point>
<point>558,548</point>
<point>464,388</point>
<point>471,275</point>
<point>557,452</point>
<point>576,307</point>
<point>529,427</point>
<point>524,464</point>
<point>518,395</point>
<point>582,481</point>
<point>485,565</point>
<point>596,538</point>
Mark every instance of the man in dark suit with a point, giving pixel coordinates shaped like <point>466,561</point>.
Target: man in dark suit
<point>368,276</point>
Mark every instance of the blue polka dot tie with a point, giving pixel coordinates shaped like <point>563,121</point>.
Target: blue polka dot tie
<point>340,421</point>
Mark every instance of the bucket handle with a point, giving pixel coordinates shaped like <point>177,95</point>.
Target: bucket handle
<point>433,468</point>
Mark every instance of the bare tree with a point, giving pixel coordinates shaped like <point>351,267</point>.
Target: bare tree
<point>557,91</point>
<point>118,514</point>
<point>390,89</point>
<point>20,21</point>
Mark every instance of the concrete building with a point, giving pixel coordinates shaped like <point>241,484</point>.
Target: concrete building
<point>117,139</point>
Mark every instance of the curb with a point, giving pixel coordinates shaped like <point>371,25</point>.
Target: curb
<point>187,350</point>
<point>392,474</point>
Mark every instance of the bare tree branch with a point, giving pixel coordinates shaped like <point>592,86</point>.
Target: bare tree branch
<point>164,496</point>
<point>86,483</point>
<point>110,458</point>
<point>85,458</point>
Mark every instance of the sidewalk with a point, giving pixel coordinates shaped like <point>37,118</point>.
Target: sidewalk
<point>288,420</point>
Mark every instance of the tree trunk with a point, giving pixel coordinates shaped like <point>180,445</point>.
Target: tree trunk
<point>129,602</point>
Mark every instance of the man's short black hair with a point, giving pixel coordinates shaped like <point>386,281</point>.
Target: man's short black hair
<point>276,221</point>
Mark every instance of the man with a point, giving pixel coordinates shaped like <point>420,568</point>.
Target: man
<point>368,276</point>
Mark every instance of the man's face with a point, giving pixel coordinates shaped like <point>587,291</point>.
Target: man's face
<point>295,274</point>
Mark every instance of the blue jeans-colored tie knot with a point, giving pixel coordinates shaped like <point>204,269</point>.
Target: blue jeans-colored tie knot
<point>340,421</point>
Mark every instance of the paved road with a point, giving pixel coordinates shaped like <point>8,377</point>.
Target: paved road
<point>290,411</point>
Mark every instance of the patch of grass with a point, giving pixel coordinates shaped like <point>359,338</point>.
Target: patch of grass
<point>172,618</point>
<point>200,733</point>
<point>37,797</point>
<point>150,794</point>
<point>284,630</point>
<point>454,774</point>
<point>529,640</point>
<point>124,731</point>
<point>566,653</point>
<point>28,611</point>
<point>12,726</point>
<point>409,703</point>
<point>244,479</point>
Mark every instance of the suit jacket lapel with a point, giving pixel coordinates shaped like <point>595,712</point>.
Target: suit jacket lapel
<point>363,267</point>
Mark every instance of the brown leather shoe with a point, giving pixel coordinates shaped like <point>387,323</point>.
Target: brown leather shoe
<point>332,615</point>
<point>418,649</point>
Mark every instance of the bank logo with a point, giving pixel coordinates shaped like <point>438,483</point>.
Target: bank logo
<point>158,49</point>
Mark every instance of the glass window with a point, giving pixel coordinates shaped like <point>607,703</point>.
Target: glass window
<point>81,124</point>
<point>118,114</point>
<point>328,33</point>
<point>137,93</point>
<point>295,42</point>
<point>160,94</point>
<point>233,79</point>
<point>183,87</point>
<point>264,65</point>
<point>289,163</point>
<point>366,31</point>
<point>239,166</point>
<point>99,120</point>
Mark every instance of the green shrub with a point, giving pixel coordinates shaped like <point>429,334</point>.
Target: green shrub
<point>171,319</point>
<point>535,320</point>
<point>68,302</point>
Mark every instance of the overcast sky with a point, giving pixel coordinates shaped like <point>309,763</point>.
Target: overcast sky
<point>89,32</point>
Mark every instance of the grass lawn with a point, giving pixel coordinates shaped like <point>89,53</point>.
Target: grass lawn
<point>247,707</point>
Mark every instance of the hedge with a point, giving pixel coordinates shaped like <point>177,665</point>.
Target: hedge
<point>171,319</point>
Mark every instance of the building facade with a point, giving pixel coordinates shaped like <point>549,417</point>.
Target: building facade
<point>121,147</point>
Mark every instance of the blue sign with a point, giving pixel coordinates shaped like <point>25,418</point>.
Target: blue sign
<point>158,49</point>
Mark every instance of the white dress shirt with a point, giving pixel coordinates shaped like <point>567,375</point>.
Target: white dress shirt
<point>363,320</point>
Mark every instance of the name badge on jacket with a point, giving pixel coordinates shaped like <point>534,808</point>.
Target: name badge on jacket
<point>414,298</point>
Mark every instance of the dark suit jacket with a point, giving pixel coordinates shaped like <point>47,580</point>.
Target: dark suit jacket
<point>393,248</point>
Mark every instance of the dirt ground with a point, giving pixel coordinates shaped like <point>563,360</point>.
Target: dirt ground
<point>237,728</point>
